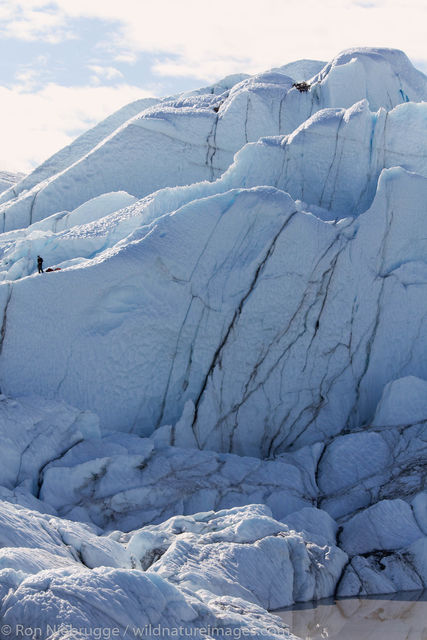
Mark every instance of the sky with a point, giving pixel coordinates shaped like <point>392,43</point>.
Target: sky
<point>67,64</point>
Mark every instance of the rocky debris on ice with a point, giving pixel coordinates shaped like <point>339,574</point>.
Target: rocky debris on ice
<point>205,131</point>
<point>334,159</point>
<point>347,148</point>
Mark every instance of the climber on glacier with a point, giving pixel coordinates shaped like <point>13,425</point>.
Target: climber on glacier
<point>40,264</point>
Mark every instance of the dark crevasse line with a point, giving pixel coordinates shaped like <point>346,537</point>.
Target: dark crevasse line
<point>58,457</point>
<point>323,289</point>
<point>183,325</point>
<point>370,342</point>
<point>4,321</point>
<point>217,355</point>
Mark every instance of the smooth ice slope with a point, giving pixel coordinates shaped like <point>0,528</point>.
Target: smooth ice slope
<point>318,360</point>
<point>302,70</point>
<point>90,211</point>
<point>385,77</point>
<point>78,148</point>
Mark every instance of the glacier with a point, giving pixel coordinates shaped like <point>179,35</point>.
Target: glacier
<point>216,405</point>
<point>8,179</point>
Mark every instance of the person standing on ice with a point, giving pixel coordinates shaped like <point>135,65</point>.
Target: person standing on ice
<point>40,264</point>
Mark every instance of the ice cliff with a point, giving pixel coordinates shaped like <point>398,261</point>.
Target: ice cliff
<point>217,406</point>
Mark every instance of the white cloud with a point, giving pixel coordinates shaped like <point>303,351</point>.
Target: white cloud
<point>33,21</point>
<point>202,70</point>
<point>128,57</point>
<point>191,38</point>
<point>29,76</point>
<point>35,125</point>
<point>208,35</point>
<point>101,72</point>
